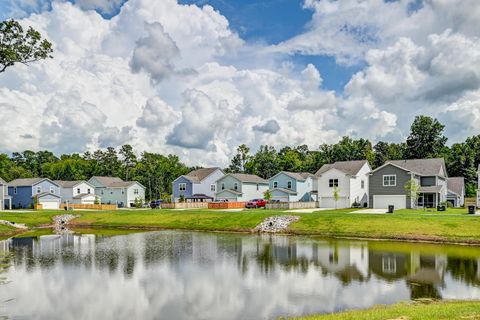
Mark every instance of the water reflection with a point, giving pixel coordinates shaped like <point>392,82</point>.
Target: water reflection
<point>187,275</point>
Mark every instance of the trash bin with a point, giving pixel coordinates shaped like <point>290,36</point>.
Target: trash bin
<point>471,209</point>
<point>441,208</point>
<point>391,208</point>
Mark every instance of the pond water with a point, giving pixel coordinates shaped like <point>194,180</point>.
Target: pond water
<point>190,275</point>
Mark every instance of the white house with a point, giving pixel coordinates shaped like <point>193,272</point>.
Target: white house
<point>350,178</point>
<point>5,199</point>
<point>197,186</point>
<point>77,192</point>
<point>239,187</point>
<point>113,190</point>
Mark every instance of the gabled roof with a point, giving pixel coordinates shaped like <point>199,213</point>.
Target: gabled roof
<point>83,195</point>
<point>197,176</point>
<point>423,167</point>
<point>348,167</point>
<point>287,191</point>
<point>27,182</point>
<point>248,178</point>
<point>106,181</point>
<point>43,194</point>
<point>430,189</point>
<point>69,184</point>
<point>456,185</point>
<point>299,176</point>
<point>238,193</point>
<point>2,182</point>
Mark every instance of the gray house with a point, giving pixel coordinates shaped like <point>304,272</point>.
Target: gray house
<point>387,183</point>
<point>456,191</point>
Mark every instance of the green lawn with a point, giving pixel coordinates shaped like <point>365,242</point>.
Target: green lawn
<point>451,310</point>
<point>455,225</point>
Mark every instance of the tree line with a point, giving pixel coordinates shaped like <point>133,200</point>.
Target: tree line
<point>157,172</point>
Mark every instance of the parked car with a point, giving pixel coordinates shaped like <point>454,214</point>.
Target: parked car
<point>155,204</point>
<point>256,203</point>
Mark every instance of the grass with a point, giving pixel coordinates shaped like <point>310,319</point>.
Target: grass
<point>453,226</point>
<point>437,310</point>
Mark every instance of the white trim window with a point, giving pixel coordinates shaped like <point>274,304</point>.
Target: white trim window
<point>39,189</point>
<point>78,190</point>
<point>14,190</point>
<point>362,184</point>
<point>275,184</point>
<point>88,190</point>
<point>213,188</point>
<point>289,184</point>
<point>223,186</point>
<point>182,186</point>
<point>135,191</point>
<point>52,189</point>
<point>389,265</point>
<point>332,183</point>
<point>389,180</point>
<point>235,186</point>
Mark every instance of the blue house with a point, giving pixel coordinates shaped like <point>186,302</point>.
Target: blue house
<point>293,187</point>
<point>23,192</point>
<point>197,186</point>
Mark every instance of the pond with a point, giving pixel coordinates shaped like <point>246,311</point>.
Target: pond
<point>192,275</point>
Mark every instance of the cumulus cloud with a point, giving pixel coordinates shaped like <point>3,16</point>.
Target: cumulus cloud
<point>155,53</point>
<point>271,126</point>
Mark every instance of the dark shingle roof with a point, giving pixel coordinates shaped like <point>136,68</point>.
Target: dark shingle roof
<point>348,167</point>
<point>242,177</point>
<point>424,167</point>
<point>456,185</point>
<point>24,182</point>
<point>198,175</point>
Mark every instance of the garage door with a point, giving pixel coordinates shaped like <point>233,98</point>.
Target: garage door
<point>326,202</point>
<point>50,204</point>
<point>382,202</point>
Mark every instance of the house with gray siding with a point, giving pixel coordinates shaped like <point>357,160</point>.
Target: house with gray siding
<point>113,190</point>
<point>197,186</point>
<point>387,183</point>
<point>239,187</point>
<point>5,199</point>
<point>25,191</point>
<point>293,187</point>
<point>456,191</point>
<point>77,192</point>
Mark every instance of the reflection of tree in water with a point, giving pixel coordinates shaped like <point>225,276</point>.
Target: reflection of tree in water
<point>465,270</point>
<point>423,290</point>
<point>5,263</point>
<point>265,258</point>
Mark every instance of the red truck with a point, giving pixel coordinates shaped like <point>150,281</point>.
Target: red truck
<point>256,203</point>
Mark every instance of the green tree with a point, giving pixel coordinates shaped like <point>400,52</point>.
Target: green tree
<point>385,151</point>
<point>412,188</point>
<point>20,46</point>
<point>128,158</point>
<point>426,139</point>
<point>240,159</point>
<point>264,163</point>
<point>267,195</point>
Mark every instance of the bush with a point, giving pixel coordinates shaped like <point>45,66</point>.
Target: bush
<point>138,203</point>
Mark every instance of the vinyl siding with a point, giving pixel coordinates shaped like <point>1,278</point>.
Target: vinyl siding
<point>131,196</point>
<point>376,183</point>
<point>250,191</point>
<point>69,193</point>
<point>204,186</point>
<point>356,191</point>
<point>176,191</point>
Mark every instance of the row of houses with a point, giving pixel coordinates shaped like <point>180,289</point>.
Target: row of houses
<point>355,183</point>
<point>50,194</point>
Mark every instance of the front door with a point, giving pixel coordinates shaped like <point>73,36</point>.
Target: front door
<point>427,200</point>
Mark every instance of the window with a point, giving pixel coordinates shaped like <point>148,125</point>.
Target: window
<point>333,183</point>
<point>78,190</point>
<point>213,187</point>
<point>135,191</point>
<point>275,184</point>
<point>389,180</point>
<point>289,185</point>
<point>257,187</point>
<point>52,189</point>
<point>39,189</point>
<point>123,191</point>
<point>88,190</point>
<point>101,192</point>
<point>182,186</point>
<point>363,184</point>
<point>223,186</point>
<point>389,265</point>
<point>235,186</point>
<point>14,190</point>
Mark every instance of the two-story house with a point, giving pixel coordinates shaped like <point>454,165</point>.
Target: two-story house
<point>77,192</point>
<point>387,183</point>
<point>349,179</point>
<point>25,192</point>
<point>456,191</point>
<point>239,187</point>
<point>293,187</point>
<point>5,199</point>
<point>113,190</point>
<point>197,186</point>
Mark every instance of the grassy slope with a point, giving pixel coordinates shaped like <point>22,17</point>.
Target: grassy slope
<point>455,225</point>
<point>410,311</point>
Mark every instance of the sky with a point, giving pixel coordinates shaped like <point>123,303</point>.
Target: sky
<point>197,78</point>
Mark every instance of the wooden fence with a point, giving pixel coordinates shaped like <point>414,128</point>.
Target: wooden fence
<point>291,205</point>
<point>184,205</point>
<point>226,205</point>
<point>78,206</point>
